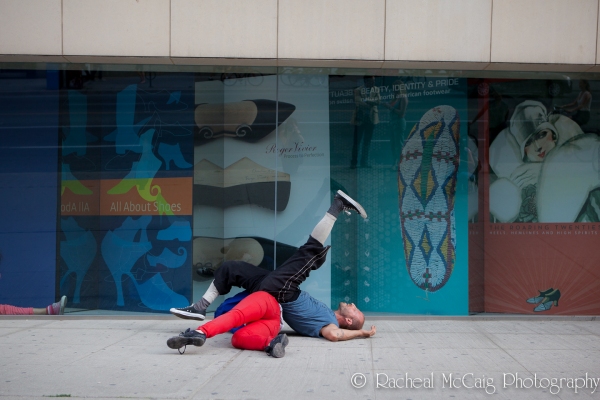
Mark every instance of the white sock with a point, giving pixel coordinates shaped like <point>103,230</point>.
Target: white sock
<point>323,228</point>
<point>211,293</point>
<point>208,297</point>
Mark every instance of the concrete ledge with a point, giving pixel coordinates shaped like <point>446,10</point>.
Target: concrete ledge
<point>118,60</point>
<point>455,65</point>
<point>26,58</point>
<point>250,62</point>
<point>526,67</point>
<point>372,65</point>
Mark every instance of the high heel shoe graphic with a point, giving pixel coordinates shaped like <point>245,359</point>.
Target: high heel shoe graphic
<point>248,120</point>
<point>126,135</point>
<point>79,163</point>
<point>538,299</point>
<point>157,295</point>
<point>142,172</point>
<point>78,253</point>
<point>69,181</point>
<point>120,252</point>
<point>76,137</point>
<point>178,230</point>
<point>122,162</point>
<point>161,101</point>
<point>549,300</point>
<point>168,258</point>
<point>172,153</point>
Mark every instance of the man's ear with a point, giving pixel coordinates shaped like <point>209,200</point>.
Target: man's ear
<point>348,321</point>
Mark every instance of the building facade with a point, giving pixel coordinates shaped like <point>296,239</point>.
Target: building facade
<point>145,142</point>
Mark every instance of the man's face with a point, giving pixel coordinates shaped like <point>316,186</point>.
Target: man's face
<point>349,310</point>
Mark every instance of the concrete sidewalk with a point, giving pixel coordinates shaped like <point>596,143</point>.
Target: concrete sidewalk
<point>127,357</point>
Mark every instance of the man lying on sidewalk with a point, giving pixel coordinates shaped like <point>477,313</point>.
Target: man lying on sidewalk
<point>302,312</point>
<point>261,315</point>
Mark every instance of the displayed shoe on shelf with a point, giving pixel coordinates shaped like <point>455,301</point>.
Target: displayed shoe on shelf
<point>188,312</point>
<point>206,257</point>
<point>243,182</point>
<point>426,189</point>
<point>549,300</point>
<point>204,271</point>
<point>538,299</point>
<point>189,337</point>
<point>248,120</point>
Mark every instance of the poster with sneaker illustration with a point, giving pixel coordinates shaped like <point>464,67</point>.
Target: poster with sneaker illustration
<point>126,189</point>
<point>541,220</point>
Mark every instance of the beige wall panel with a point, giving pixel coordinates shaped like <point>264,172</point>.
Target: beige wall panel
<point>332,29</point>
<point>544,31</point>
<point>438,30</point>
<point>224,28</point>
<point>30,27</point>
<point>116,27</point>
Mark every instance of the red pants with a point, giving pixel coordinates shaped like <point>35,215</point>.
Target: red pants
<point>261,314</point>
<point>6,309</point>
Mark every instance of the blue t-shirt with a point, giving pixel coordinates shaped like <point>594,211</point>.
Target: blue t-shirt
<point>308,315</point>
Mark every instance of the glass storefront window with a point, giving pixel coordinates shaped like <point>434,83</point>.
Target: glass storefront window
<point>127,187</point>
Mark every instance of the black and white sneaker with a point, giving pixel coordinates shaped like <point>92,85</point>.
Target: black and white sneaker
<point>189,337</point>
<point>276,348</point>
<point>188,312</point>
<point>350,204</point>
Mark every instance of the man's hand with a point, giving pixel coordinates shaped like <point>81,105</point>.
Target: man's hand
<point>370,332</point>
<point>335,334</point>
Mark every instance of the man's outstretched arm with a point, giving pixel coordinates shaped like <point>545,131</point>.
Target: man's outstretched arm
<point>335,334</point>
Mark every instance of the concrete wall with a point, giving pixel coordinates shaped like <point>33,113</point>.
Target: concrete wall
<point>462,34</point>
